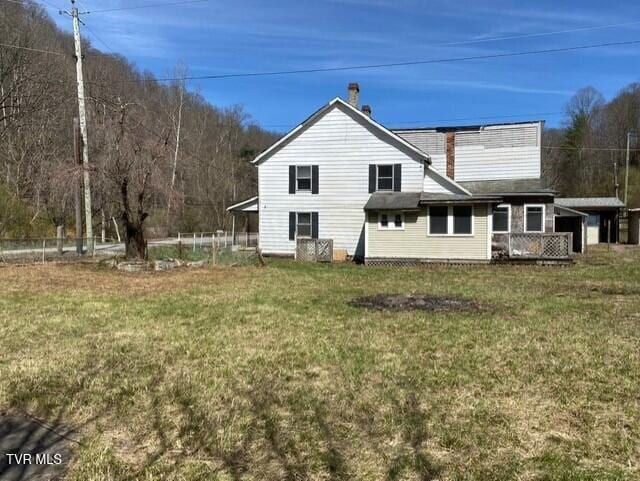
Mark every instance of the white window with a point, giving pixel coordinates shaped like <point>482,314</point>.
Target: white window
<point>462,219</point>
<point>303,224</point>
<point>385,177</point>
<point>534,218</point>
<point>454,220</point>
<point>502,218</point>
<point>439,220</point>
<point>303,178</point>
<point>391,221</point>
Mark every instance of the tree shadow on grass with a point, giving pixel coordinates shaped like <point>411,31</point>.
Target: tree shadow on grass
<point>49,444</point>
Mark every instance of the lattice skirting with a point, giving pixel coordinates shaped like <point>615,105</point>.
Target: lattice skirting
<point>399,262</point>
<point>413,262</point>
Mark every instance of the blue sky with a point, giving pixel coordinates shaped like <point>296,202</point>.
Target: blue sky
<point>215,37</point>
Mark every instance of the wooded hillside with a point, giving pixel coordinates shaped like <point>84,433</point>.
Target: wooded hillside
<point>160,153</point>
<point>586,156</point>
<point>182,160</point>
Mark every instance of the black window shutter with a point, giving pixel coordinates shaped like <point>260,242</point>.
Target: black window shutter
<point>314,179</point>
<point>292,179</point>
<point>372,178</point>
<point>397,177</point>
<point>292,225</point>
<point>314,225</point>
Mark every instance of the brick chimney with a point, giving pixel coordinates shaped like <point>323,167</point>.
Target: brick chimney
<point>366,109</point>
<point>451,154</point>
<point>354,95</point>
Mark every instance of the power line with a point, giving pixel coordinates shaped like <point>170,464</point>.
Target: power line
<point>392,64</point>
<point>605,149</point>
<point>31,49</point>
<point>456,119</point>
<point>95,35</point>
<point>540,34</point>
<point>152,5</point>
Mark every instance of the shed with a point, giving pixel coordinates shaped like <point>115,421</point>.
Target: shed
<point>603,221</point>
<point>570,220</point>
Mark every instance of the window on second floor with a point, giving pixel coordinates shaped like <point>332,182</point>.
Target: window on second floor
<point>303,178</point>
<point>385,177</point>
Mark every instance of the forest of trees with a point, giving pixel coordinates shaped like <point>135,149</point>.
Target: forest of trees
<point>159,153</point>
<point>162,155</point>
<point>587,156</point>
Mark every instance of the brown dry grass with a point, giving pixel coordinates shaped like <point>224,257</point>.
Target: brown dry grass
<point>269,373</point>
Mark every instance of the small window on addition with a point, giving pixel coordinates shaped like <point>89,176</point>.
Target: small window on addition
<point>438,222</point>
<point>303,178</point>
<point>501,219</point>
<point>534,218</point>
<point>391,221</point>
<point>462,219</point>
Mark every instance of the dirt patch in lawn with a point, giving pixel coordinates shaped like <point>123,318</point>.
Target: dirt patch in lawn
<point>413,302</point>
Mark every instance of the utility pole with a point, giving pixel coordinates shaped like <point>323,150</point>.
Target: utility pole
<point>78,185</point>
<point>630,134</point>
<point>83,128</point>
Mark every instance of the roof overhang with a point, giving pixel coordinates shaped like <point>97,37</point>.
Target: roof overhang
<point>561,211</point>
<point>249,205</point>
<point>590,203</point>
<point>423,156</point>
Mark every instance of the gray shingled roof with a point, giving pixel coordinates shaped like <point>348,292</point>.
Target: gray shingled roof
<point>412,200</point>
<point>590,202</point>
<point>393,201</point>
<point>429,198</point>
<point>506,187</point>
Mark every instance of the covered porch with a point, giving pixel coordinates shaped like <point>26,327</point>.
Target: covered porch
<point>246,211</point>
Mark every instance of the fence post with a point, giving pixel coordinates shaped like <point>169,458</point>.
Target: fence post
<point>194,242</point>
<point>44,245</point>
<point>225,238</point>
<point>247,239</point>
<point>178,236</point>
<point>213,250</point>
<point>60,238</point>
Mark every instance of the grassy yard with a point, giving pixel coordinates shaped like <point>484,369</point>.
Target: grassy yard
<point>268,373</point>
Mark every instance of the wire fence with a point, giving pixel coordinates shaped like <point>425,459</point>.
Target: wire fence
<point>187,246</point>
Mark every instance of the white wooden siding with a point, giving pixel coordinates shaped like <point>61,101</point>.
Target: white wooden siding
<point>342,146</point>
<point>414,243</point>
<point>498,152</point>
<point>429,141</point>
<point>491,153</point>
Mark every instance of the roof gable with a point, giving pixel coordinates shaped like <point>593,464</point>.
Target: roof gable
<point>392,138</point>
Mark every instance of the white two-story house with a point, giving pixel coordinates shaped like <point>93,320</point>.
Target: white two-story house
<point>408,195</point>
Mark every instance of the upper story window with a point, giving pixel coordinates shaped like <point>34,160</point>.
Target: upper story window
<point>303,178</point>
<point>502,218</point>
<point>385,177</point>
<point>534,218</point>
<point>450,220</point>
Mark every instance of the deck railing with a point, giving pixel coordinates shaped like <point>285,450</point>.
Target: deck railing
<point>557,245</point>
